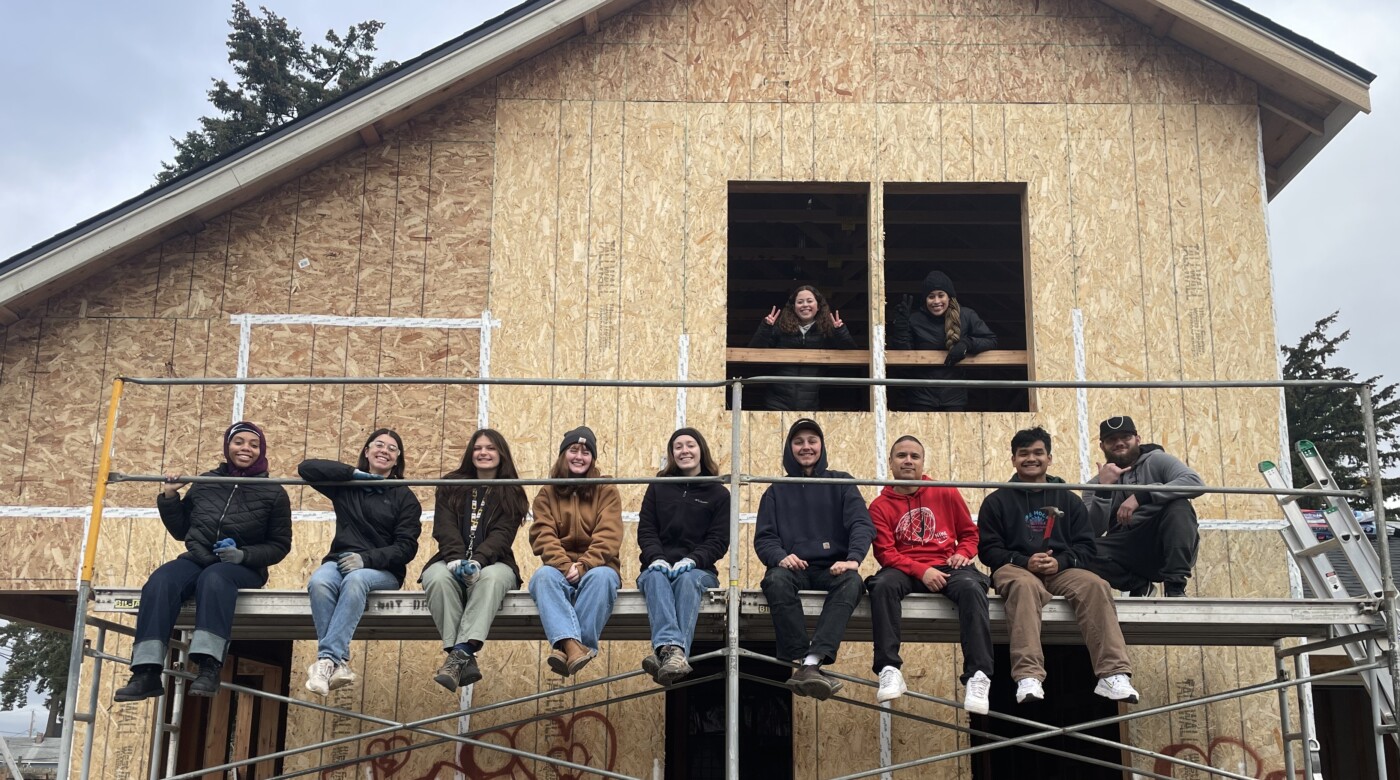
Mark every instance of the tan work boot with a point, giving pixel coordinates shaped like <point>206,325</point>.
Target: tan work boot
<point>577,655</point>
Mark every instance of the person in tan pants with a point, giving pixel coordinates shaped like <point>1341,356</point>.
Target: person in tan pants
<point>1037,542</point>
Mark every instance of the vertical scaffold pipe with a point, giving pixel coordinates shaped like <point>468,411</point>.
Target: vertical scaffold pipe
<point>1373,473</point>
<point>75,654</point>
<point>731,641</point>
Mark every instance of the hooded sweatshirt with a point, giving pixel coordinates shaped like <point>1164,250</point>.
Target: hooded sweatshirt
<point>921,530</point>
<point>821,524</point>
<point>1012,524</point>
<point>1154,466</point>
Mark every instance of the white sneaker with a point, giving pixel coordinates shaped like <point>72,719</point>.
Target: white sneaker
<point>1028,689</point>
<point>318,676</point>
<point>975,693</point>
<point>341,677</point>
<point>891,685</point>
<point>1117,687</point>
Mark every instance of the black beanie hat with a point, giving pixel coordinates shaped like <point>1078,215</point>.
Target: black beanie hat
<point>1116,426</point>
<point>806,424</point>
<point>581,435</point>
<point>937,280</point>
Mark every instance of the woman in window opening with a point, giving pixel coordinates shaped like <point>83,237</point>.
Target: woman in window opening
<point>940,323</point>
<point>682,532</point>
<point>805,322</point>
<point>577,534</point>
<point>376,535</point>
<point>232,533</point>
<point>467,579</point>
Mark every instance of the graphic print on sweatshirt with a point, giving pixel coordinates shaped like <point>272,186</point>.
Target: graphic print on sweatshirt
<point>918,527</point>
<point>1035,520</point>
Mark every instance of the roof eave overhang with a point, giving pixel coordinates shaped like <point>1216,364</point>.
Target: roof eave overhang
<point>358,120</point>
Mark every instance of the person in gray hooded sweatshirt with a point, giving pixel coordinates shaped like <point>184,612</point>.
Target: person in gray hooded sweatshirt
<point>811,537</point>
<point>1144,537</point>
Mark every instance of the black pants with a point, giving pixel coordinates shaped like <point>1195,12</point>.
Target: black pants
<point>780,587</point>
<point>966,588</point>
<point>215,589</point>
<point>1160,549</point>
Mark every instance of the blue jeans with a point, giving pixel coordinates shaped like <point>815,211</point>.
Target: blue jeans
<point>673,606</point>
<point>338,601</point>
<point>574,611</point>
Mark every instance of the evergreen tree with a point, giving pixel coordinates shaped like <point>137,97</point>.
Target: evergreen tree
<point>1331,417</point>
<point>279,79</point>
<point>38,659</point>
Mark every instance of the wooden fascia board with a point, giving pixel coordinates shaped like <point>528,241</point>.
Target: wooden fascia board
<point>1272,50</point>
<point>331,133</point>
<point>1309,148</point>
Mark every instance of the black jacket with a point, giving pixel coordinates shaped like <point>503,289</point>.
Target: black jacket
<point>492,540</point>
<point>793,397</point>
<point>1004,523</point>
<point>821,524</point>
<point>381,524</point>
<point>257,517</point>
<point>925,331</point>
<point>684,521</point>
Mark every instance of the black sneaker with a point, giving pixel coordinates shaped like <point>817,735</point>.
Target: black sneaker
<point>674,666</point>
<point>207,683</point>
<point>1175,590</point>
<point>810,681</point>
<point>449,675</point>
<point>1143,591</point>
<point>145,683</point>
<point>469,672</point>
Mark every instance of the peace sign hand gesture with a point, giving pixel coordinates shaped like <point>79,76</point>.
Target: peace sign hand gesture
<point>836,321</point>
<point>772,317</point>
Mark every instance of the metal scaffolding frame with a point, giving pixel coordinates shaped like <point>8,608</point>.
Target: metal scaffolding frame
<point>1381,617</point>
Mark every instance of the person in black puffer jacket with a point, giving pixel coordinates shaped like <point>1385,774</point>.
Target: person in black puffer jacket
<point>938,323</point>
<point>376,535</point>
<point>805,322</point>
<point>466,580</point>
<point>683,530</point>
<point>232,533</point>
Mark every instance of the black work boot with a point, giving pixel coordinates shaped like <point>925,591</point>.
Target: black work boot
<point>207,682</point>
<point>145,683</point>
<point>1175,590</point>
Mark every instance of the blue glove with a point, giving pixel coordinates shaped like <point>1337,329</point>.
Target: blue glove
<point>466,571</point>
<point>230,554</point>
<point>349,562</point>
<point>681,567</point>
<point>224,542</point>
<point>660,565</point>
<point>366,475</point>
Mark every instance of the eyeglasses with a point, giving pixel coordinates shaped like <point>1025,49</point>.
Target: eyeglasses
<point>379,445</point>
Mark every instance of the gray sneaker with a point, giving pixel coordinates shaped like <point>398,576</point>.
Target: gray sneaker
<point>449,675</point>
<point>652,666</point>
<point>674,665</point>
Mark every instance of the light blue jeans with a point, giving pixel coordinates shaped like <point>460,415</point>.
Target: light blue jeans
<point>673,606</point>
<point>338,601</point>
<point>574,611</point>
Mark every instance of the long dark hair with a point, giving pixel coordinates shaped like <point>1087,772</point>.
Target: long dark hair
<point>788,322</point>
<point>363,463</point>
<point>508,500</point>
<point>707,463</point>
<point>560,470</point>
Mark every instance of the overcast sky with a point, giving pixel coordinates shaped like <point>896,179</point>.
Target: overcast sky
<point>93,91</point>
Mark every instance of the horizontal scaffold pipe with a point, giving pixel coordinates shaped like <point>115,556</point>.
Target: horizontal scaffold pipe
<point>1116,488</point>
<point>815,380</point>
<point>117,476</point>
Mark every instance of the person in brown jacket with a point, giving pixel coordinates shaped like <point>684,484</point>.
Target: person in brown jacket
<point>466,580</point>
<point>577,534</point>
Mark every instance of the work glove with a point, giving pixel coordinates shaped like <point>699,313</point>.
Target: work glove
<point>348,562</point>
<point>681,567</point>
<point>365,475</point>
<point>466,571</point>
<point>956,353</point>
<point>230,554</point>
<point>660,565</point>
<point>900,311</point>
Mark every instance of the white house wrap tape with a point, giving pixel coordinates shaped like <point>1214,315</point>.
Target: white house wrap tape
<point>1081,396</point>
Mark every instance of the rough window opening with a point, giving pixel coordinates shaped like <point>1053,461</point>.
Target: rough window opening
<point>974,233</point>
<point>781,236</point>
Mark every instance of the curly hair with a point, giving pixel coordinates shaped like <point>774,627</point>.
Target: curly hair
<point>788,322</point>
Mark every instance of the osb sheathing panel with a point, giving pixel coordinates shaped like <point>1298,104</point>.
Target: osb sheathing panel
<point>17,379</point>
<point>563,203</point>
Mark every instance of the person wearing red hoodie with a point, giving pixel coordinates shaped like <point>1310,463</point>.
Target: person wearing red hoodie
<point>925,541</point>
